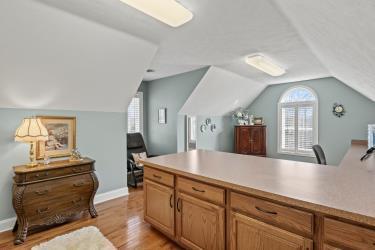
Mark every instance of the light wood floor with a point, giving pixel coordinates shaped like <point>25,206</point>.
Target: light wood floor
<point>120,220</point>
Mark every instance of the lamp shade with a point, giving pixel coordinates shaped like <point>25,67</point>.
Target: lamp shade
<point>31,130</point>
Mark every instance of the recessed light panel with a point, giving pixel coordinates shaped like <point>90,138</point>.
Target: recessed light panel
<point>263,64</point>
<point>166,11</point>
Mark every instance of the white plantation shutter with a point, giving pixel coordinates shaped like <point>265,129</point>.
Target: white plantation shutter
<point>135,114</point>
<point>298,122</point>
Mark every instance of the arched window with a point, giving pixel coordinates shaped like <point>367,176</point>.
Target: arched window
<point>298,121</point>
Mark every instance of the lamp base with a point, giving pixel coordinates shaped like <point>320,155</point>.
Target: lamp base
<point>33,162</point>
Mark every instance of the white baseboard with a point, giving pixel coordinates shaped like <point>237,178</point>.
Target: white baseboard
<point>8,224</point>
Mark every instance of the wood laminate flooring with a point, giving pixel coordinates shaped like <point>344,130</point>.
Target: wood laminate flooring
<point>120,220</point>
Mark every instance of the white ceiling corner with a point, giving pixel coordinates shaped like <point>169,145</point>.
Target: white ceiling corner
<point>220,92</point>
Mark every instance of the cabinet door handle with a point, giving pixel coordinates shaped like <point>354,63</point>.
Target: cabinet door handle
<point>178,205</point>
<point>41,192</point>
<point>198,190</point>
<point>79,184</point>
<point>157,176</point>
<point>170,201</point>
<point>265,211</point>
<point>43,210</point>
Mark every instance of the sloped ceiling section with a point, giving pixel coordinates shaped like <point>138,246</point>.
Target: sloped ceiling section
<point>50,59</point>
<point>341,33</point>
<point>220,92</point>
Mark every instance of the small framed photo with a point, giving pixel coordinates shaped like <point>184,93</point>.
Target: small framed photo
<point>61,137</point>
<point>258,120</point>
<point>162,115</point>
<point>371,135</point>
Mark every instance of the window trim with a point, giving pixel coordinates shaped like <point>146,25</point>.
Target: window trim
<point>296,105</point>
<point>141,111</point>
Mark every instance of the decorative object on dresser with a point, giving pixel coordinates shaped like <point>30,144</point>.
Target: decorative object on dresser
<point>241,117</point>
<point>61,136</point>
<point>250,140</point>
<point>52,194</point>
<point>31,131</point>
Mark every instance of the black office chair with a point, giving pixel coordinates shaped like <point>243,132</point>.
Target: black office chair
<point>319,153</point>
<point>135,144</point>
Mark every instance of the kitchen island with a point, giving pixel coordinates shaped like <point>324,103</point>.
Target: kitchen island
<point>214,200</point>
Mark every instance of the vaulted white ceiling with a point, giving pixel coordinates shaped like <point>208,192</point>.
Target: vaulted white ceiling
<point>53,60</point>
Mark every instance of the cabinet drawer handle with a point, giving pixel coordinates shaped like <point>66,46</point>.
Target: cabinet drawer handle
<point>178,205</point>
<point>43,210</point>
<point>157,176</point>
<point>198,190</point>
<point>77,170</point>
<point>79,184</point>
<point>265,211</point>
<point>41,192</point>
<point>77,201</point>
<point>45,174</point>
<point>170,201</point>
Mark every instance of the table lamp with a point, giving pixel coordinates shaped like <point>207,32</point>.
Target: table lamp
<point>31,131</point>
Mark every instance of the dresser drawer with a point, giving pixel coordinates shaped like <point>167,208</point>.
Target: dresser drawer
<point>283,216</point>
<point>53,190</point>
<point>53,173</point>
<point>159,176</point>
<point>201,190</point>
<point>347,235</point>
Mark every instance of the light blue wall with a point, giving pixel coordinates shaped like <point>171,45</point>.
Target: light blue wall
<point>100,135</point>
<point>171,93</point>
<point>335,134</point>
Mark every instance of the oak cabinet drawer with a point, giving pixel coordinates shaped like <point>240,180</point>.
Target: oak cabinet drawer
<point>347,235</point>
<point>201,190</point>
<point>159,176</point>
<point>52,173</point>
<point>285,217</point>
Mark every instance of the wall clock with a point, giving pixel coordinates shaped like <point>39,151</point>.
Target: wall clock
<point>338,110</point>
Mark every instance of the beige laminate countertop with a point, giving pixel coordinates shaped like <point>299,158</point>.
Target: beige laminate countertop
<point>346,191</point>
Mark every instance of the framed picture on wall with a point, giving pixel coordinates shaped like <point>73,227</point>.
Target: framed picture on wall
<point>371,135</point>
<point>162,116</point>
<point>61,137</point>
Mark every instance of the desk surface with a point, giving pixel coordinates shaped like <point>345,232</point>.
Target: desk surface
<point>347,190</point>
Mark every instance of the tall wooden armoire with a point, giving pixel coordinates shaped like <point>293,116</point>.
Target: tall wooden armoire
<point>250,140</point>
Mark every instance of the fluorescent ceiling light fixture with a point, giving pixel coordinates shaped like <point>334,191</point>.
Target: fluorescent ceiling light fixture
<point>166,11</point>
<point>265,65</point>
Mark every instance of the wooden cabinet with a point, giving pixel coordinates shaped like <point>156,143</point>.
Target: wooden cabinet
<point>52,194</point>
<point>159,206</point>
<point>200,224</point>
<point>247,233</point>
<point>250,140</point>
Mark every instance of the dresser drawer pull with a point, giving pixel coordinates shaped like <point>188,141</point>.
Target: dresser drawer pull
<point>43,210</point>
<point>198,190</point>
<point>45,174</point>
<point>157,176</point>
<point>41,192</point>
<point>265,211</point>
<point>77,170</point>
<point>79,184</point>
<point>77,201</point>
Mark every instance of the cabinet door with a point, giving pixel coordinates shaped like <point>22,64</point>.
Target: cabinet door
<point>200,224</point>
<point>257,140</point>
<point>242,140</point>
<point>247,233</point>
<point>159,206</point>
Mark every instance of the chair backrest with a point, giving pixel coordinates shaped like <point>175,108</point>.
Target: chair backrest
<point>319,153</point>
<point>135,144</point>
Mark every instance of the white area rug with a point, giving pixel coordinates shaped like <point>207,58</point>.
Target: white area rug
<point>86,238</point>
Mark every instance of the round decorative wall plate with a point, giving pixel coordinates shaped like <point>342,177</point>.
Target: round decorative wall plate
<point>338,110</point>
<point>203,128</point>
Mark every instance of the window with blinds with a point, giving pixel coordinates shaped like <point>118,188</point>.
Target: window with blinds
<point>298,121</point>
<point>135,114</point>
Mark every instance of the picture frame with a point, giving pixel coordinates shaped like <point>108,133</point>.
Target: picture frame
<point>61,139</point>
<point>162,116</point>
<point>258,121</point>
<point>371,135</point>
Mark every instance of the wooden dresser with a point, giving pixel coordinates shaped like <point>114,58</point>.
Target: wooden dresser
<point>250,140</point>
<point>52,194</point>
